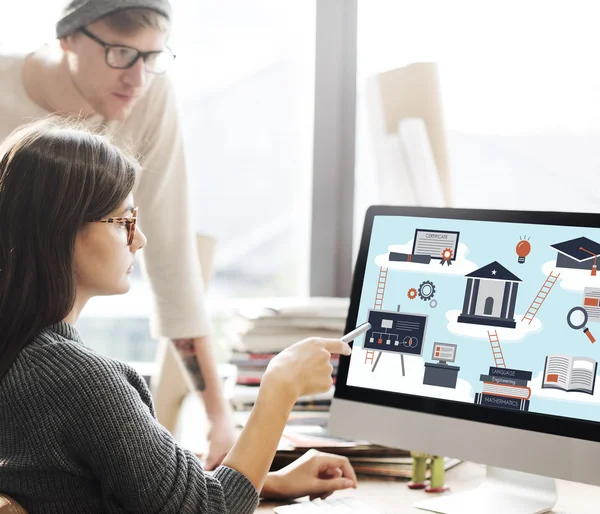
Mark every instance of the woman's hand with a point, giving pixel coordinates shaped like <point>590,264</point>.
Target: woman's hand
<point>302,369</point>
<point>315,474</point>
<point>305,367</point>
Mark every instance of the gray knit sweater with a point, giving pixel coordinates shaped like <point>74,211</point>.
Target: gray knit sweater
<point>78,434</point>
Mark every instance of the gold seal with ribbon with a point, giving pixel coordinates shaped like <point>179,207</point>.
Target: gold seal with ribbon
<point>446,256</point>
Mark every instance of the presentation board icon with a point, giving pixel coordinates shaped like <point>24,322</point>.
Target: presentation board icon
<point>396,332</point>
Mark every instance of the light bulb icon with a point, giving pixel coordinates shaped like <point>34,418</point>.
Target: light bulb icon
<point>523,249</point>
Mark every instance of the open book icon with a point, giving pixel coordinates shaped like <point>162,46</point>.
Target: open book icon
<point>571,374</point>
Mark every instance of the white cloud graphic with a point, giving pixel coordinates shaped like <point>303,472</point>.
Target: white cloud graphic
<point>388,377</point>
<point>513,335</point>
<point>557,394</point>
<point>571,279</point>
<point>461,266</point>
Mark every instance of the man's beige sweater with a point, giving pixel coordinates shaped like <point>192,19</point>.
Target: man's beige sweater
<point>152,133</point>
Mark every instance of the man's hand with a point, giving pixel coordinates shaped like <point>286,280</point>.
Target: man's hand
<point>315,474</point>
<point>221,438</point>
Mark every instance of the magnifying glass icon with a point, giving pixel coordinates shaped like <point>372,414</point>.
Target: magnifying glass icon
<point>577,319</point>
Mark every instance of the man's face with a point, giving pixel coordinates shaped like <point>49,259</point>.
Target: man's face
<point>111,92</point>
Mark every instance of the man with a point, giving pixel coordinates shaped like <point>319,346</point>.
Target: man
<point>109,69</point>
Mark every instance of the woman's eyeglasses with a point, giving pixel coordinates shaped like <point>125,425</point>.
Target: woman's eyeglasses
<point>128,222</point>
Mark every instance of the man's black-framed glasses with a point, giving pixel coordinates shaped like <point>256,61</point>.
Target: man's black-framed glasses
<point>123,57</point>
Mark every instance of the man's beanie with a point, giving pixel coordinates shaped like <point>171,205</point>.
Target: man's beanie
<point>78,13</point>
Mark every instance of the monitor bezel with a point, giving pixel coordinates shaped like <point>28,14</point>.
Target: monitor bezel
<point>532,421</point>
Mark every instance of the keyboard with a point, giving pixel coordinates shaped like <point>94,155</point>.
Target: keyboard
<point>346,505</point>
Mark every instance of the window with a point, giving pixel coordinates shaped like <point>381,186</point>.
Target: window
<point>520,95</point>
<point>245,81</point>
<point>245,76</point>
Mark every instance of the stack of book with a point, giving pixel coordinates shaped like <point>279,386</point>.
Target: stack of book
<point>305,431</point>
<point>505,388</point>
<point>243,398</point>
<point>260,330</point>
<point>251,366</point>
<point>269,326</point>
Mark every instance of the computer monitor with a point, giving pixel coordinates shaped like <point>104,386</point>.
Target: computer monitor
<point>512,299</point>
<point>444,352</point>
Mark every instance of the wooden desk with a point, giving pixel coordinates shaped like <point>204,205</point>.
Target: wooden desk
<point>392,496</point>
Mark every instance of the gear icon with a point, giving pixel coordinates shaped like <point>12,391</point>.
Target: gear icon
<point>433,304</point>
<point>426,290</point>
<point>412,293</point>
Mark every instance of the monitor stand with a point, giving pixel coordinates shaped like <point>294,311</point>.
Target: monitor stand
<point>503,491</point>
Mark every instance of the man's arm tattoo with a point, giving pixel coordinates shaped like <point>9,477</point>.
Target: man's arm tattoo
<point>187,352</point>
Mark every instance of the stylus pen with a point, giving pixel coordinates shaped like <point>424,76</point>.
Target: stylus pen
<point>358,331</point>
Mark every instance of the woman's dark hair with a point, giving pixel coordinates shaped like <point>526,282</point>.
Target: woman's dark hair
<point>54,178</point>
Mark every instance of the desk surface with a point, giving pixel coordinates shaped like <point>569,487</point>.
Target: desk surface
<point>392,496</point>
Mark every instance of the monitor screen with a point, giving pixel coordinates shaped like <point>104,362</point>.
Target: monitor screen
<point>443,352</point>
<point>488,316</point>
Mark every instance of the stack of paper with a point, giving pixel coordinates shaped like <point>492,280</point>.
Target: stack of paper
<point>261,329</point>
<point>305,431</point>
<point>272,325</point>
<point>243,398</point>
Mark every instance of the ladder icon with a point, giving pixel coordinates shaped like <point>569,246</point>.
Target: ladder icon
<point>541,297</point>
<point>496,349</point>
<point>381,281</point>
<point>383,273</point>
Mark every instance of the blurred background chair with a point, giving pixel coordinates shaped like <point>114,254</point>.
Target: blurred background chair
<point>404,109</point>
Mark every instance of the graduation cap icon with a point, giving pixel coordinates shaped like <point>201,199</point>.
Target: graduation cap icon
<point>579,253</point>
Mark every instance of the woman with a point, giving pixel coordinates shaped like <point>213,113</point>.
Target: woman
<point>77,429</point>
